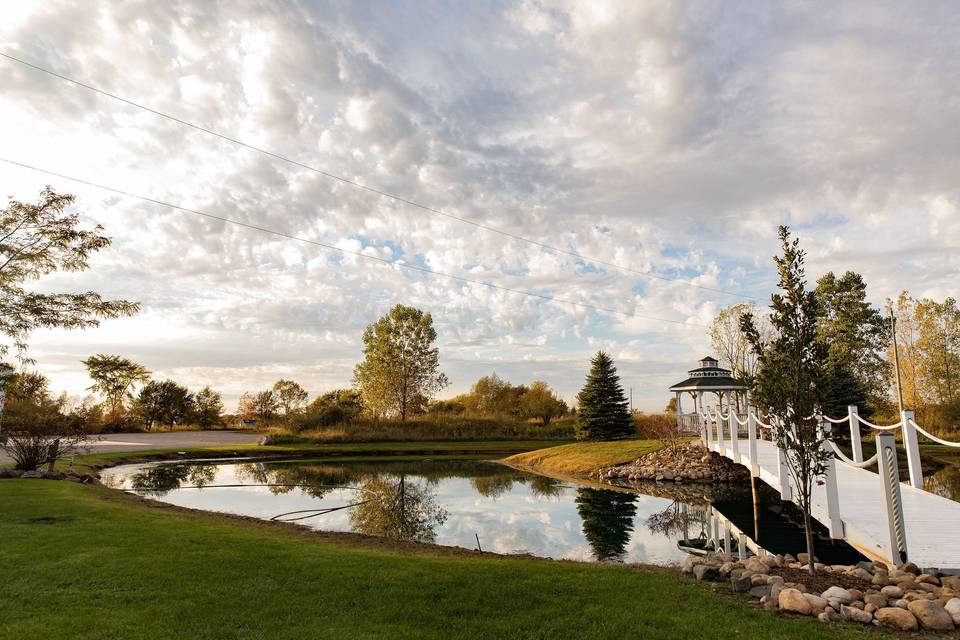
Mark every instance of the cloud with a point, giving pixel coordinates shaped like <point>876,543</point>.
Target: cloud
<point>668,138</point>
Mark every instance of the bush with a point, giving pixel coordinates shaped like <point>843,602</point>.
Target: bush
<point>428,428</point>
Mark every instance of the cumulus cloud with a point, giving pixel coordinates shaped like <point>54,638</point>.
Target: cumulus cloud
<point>669,138</point>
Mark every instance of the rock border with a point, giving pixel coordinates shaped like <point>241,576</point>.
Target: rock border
<point>69,475</point>
<point>905,598</point>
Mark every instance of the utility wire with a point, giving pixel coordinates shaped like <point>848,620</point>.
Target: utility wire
<point>393,263</point>
<point>364,187</point>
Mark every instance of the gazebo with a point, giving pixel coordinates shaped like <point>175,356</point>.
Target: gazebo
<point>708,378</point>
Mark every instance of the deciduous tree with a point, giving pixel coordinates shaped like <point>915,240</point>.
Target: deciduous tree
<point>164,403</point>
<point>540,402</point>
<point>400,370</point>
<point>208,408</point>
<point>38,239</point>
<point>290,396</point>
<point>114,377</point>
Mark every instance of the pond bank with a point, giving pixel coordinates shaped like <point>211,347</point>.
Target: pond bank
<point>583,458</point>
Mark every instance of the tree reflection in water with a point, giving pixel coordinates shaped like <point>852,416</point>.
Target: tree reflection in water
<point>945,482</point>
<point>397,509</point>
<point>679,520</point>
<point>544,487</point>
<point>160,479</point>
<point>607,518</point>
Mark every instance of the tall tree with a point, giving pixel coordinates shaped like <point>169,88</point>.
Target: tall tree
<point>164,403</point>
<point>208,407</point>
<point>290,396</point>
<point>789,386</point>
<point>38,239</point>
<point>400,371</point>
<point>603,413</point>
<point>855,336</point>
<point>938,344</point>
<point>730,343</point>
<point>539,401</point>
<point>114,377</point>
<point>262,406</point>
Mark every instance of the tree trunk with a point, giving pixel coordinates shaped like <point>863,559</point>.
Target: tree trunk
<point>808,532</point>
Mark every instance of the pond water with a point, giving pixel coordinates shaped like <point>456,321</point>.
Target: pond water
<point>449,502</point>
<point>460,502</point>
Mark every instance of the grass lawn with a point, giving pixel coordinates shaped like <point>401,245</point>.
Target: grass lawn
<point>94,461</point>
<point>585,457</point>
<point>86,562</point>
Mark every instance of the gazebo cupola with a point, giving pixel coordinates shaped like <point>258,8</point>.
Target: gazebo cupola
<point>710,378</point>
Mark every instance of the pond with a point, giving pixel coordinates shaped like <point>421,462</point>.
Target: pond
<point>471,502</point>
<point>448,502</point>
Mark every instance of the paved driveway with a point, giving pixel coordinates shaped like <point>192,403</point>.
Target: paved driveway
<point>172,440</point>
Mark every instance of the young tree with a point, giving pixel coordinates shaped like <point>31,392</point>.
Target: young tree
<point>789,386</point>
<point>289,395</point>
<point>114,377</point>
<point>164,403</point>
<point>262,406</point>
<point>540,402</point>
<point>855,336</point>
<point>400,370</point>
<point>603,413</point>
<point>208,408</point>
<point>38,239</point>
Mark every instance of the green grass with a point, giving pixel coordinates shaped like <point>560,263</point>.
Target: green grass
<point>85,562</point>
<point>94,461</point>
<point>585,457</point>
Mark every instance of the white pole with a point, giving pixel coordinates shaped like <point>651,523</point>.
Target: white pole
<point>830,484</point>
<point>783,474</point>
<point>734,433</point>
<point>752,435</point>
<point>855,433</point>
<point>721,447</point>
<point>913,449</point>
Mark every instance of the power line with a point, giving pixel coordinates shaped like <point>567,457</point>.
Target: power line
<point>394,263</point>
<point>364,187</point>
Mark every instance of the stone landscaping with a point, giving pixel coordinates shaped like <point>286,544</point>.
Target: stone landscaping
<point>688,463</point>
<point>904,598</point>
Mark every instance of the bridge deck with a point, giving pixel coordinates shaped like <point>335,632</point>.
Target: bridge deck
<point>932,523</point>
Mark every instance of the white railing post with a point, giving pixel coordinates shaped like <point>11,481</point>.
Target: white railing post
<point>913,449</point>
<point>752,440</point>
<point>726,537</point>
<point>720,446</point>
<point>830,484</point>
<point>783,473</point>
<point>892,503</point>
<point>855,433</point>
<point>709,430</point>
<point>734,435</point>
<point>742,547</point>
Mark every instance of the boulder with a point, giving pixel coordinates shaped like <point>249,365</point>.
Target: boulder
<point>931,614</point>
<point>910,567</point>
<point>953,608</point>
<point>863,574</point>
<point>926,578</point>
<point>793,600</point>
<point>54,475</point>
<point>837,593</point>
<point>741,585</point>
<point>756,565</point>
<point>892,591</point>
<point>706,572</point>
<point>31,474</point>
<point>951,581</point>
<point>896,618</point>
<point>816,602</point>
<point>689,563</point>
<point>900,604</point>
<point>876,599</point>
<point>866,565</point>
<point>265,441</point>
<point>760,591</point>
<point>855,615</point>
<point>803,558</point>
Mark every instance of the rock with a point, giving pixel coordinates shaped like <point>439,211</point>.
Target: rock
<point>926,578</point>
<point>760,591</point>
<point>856,615</point>
<point>706,572</point>
<point>741,585</point>
<point>816,602</point>
<point>793,600</point>
<point>804,558</point>
<point>931,615</point>
<point>892,591</point>
<point>863,574</point>
<point>880,579</point>
<point>876,599</point>
<point>870,608</point>
<point>775,590</point>
<point>866,565</point>
<point>727,567</point>
<point>910,567</point>
<point>770,561</point>
<point>768,603</point>
<point>825,617</point>
<point>756,565</point>
<point>951,581</point>
<point>896,618</point>
<point>31,474</point>
<point>953,608</point>
<point>54,475</point>
<point>266,441</point>
<point>73,479</point>
<point>689,563</point>
<point>837,593</point>
<point>900,604</point>
<point>774,579</point>
<point>855,594</point>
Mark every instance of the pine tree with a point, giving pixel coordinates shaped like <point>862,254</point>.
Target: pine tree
<point>603,413</point>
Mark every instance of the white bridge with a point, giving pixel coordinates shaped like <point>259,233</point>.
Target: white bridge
<point>873,512</point>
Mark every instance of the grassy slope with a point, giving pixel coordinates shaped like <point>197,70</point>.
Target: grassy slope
<point>584,457</point>
<point>491,447</point>
<point>85,562</point>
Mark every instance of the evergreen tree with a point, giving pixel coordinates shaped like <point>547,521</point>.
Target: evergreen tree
<point>607,518</point>
<point>603,411</point>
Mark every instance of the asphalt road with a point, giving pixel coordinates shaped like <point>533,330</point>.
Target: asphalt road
<point>173,440</point>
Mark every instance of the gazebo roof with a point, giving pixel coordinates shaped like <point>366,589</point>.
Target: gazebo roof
<point>709,377</point>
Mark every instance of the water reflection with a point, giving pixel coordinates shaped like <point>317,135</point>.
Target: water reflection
<point>450,502</point>
<point>945,482</point>
<point>397,509</point>
<point>607,518</point>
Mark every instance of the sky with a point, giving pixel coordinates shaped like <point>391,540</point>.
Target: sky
<point>667,140</point>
